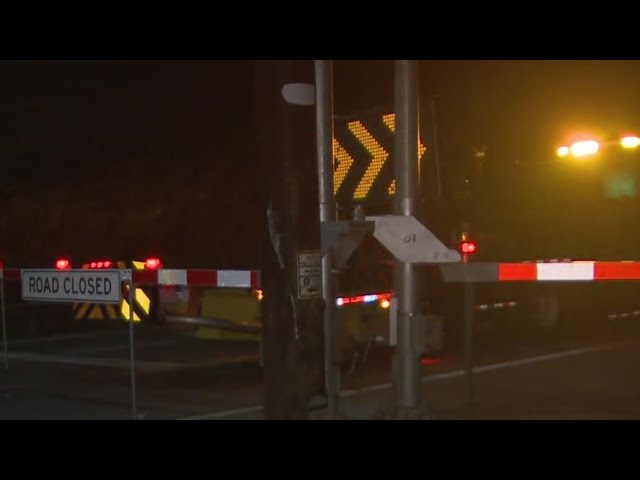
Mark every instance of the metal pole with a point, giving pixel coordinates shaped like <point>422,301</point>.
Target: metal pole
<point>468,342</point>
<point>407,371</point>
<point>324,132</point>
<point>4,326</point>
<point>132,353</point>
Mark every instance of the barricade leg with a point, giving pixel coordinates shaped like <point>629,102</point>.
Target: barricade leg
<point>132,354</point>
<point>468,342</point>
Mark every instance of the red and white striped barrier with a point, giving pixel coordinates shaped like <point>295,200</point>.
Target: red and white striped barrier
<point>541,272</point>
<point>200,278</point>
<point>166,277</point>
<point>452,272</point>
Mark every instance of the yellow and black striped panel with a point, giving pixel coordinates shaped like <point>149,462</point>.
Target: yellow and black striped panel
<point>363,149</point>
<point>141,302</point>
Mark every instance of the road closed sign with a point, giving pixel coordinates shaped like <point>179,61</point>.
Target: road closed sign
<point>91,286</point>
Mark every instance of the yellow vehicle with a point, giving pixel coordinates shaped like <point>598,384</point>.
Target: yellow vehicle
<point>235,313</point>
<point>220,313</point>
<point>227,313</point>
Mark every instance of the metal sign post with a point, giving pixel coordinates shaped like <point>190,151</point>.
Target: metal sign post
<point>468,343</point>
<point>132,351</point>
<point>324,132</point>
<point>407,368</point>
<point>76,285</point>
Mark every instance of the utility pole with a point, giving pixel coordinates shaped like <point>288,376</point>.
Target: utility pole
<point>406,368</point>
<point>292,308</point>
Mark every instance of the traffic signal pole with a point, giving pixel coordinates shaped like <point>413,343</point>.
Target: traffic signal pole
<point>406,368</point>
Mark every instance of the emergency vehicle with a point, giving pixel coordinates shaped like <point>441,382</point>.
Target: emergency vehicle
<point>579,203</point>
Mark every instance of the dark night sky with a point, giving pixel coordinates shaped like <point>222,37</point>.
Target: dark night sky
<point>512,106</point>
<point>517,108</point>
<point>166,124</point>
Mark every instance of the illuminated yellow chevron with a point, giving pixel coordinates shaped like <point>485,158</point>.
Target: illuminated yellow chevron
<point>344,164</point>
<point>378,153</point>
<point>390,121</point>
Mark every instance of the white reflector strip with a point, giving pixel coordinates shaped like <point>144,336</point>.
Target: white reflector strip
<point>566,271</point>
<point>172,277</point>
<point>234,278</point>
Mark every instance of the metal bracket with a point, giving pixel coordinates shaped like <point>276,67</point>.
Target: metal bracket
<point>409,241</point>
<point>125,275</point>
<point>342,238</point>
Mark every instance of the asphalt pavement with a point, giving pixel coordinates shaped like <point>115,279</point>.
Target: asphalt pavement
<point>587,373</point>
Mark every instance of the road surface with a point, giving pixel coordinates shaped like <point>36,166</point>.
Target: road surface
<point>587,373</point>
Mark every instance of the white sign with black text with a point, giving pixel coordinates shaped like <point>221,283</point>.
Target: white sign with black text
<point>90,286</point>
<point>309,274</point>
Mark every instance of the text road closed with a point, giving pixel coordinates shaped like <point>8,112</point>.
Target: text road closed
<point>72,286</point>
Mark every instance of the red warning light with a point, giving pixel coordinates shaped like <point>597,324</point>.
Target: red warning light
<point>107,264</point>
<point>93,265</point>
<point>100,264</point>
<point>152,264</point>
<point>468,247</point>
<point>427,361</point>
<point>63,264</point>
